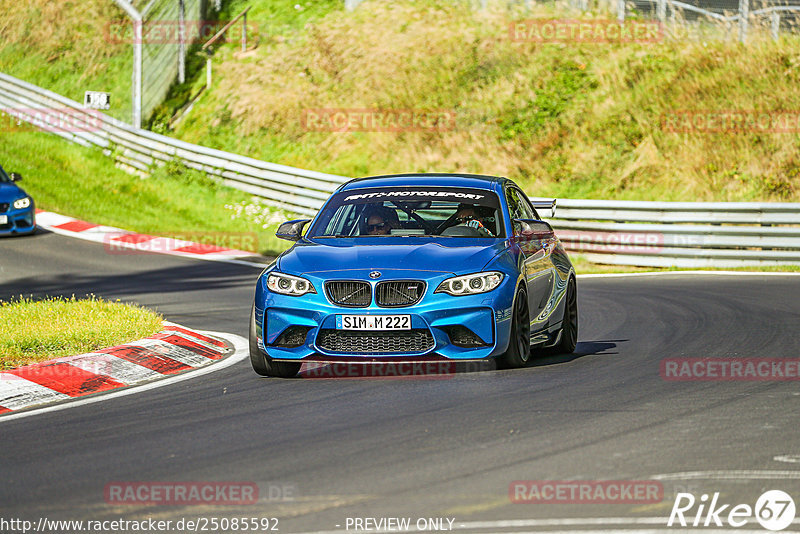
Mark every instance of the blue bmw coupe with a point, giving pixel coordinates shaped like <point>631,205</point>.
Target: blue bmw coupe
<point>17,212</point>
<point>416,267</point>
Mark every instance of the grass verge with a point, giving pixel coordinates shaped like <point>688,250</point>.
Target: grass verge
<point>82,182</point>
<point>584,266</point>
<point>36,331</point>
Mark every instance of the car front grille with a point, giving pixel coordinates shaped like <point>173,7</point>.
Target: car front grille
<point>351,294</point>
<point>398,293</point>
<point>4,207</point>
<point>379,342</point>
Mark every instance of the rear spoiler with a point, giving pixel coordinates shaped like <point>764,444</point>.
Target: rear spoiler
<point>546,207</point>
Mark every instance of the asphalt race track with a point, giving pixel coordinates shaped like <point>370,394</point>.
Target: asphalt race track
<point>326,450</point>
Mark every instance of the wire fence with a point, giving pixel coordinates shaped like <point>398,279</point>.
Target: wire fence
<point>706,18</point>
<point>161,33</point>
<point>175,26</point>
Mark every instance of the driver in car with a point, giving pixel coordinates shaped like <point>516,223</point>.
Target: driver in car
<point>469,215</point>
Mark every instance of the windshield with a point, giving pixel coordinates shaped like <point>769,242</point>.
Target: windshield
<point>411,211</point>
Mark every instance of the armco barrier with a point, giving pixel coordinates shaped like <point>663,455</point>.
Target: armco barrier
<point>683,234</point>
<point>296,190</point>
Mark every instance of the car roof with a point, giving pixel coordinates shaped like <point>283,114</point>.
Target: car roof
<point>478,181</point>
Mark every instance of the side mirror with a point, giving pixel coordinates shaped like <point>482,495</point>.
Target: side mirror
<point>529,229</point>
<point>15,177</point>
<point>292,230</point>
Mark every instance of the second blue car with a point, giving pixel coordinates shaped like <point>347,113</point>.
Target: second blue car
<point>17,211</point>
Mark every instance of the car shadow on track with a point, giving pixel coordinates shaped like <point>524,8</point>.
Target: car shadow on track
<point>584,348</point>
<point>439,370</point>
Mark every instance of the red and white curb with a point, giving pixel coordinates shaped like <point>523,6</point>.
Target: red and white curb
<point>118,241</point>
<point>172,351</point>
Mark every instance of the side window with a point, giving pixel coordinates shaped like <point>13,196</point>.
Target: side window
<point>518,205</point>
<point>527,206</point>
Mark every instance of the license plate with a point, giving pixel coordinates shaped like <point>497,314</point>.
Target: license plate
<point>3,219</point>
<point>373,322</point>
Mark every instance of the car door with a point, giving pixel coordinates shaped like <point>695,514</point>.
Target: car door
<point>537,265</point>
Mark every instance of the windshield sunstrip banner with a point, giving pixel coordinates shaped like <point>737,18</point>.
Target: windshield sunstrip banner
<point>420,194</point>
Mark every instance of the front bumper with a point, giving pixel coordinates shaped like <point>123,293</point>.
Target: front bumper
<point>437,325</point>
<point>17,222</point>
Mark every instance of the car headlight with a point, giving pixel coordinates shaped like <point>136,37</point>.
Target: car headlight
<point>289,285</point>
<point>22,203</point>
<point>470,284</point>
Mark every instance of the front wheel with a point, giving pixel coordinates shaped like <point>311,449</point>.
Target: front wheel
<point>263,364</point>
<point>519,345</point>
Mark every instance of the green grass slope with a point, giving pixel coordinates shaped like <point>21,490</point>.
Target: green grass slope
<point>581,120</point>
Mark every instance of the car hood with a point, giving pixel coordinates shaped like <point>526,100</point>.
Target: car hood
<point>10,192</point>
<point>450,255</point>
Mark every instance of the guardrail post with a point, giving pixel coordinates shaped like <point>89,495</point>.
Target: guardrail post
<point>775,19</point>
<point>662,11</point>
<point>744,13</point>
<point>136,73</point>
<point>208,68</point>
<point>181,41</point>
<point>136,82</point>
<point>621,10</point>
<point>244,32</point>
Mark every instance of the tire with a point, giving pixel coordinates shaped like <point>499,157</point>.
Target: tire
<point>519,344</point>
<point>264,365</point>
<point>569,325</point>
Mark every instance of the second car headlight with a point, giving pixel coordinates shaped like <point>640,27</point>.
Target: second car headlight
<point>289,285</point>
<point>22,203</point>
<point>470,284</point>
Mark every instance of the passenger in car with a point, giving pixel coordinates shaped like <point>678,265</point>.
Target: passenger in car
<point>380,220</point>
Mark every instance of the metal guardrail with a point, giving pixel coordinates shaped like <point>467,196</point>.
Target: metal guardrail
<point>297,190</point>
<point>683,234</point>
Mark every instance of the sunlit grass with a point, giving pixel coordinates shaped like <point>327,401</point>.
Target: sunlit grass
<point>37,330</point>
<point>175,201</point>
<point>575,120</point>
<point>584,266</point>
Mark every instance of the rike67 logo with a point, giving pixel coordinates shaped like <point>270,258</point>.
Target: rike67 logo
<point>774,510</point>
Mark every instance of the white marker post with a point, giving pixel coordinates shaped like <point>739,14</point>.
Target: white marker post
<point>97,100</point>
